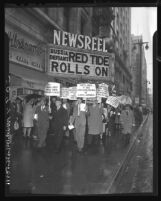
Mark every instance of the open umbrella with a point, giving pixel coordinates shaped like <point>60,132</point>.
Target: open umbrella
<point>125,100</point>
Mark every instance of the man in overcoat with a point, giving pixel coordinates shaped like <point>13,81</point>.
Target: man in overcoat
<point>59,124</point>
<point>127,121</point>
<point>95,125</point>
<point>42,113</point>
<point>79,121</point>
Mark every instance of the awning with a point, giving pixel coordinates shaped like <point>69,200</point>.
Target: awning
<point>28,78</point>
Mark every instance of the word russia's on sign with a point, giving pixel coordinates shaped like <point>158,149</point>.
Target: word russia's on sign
<point>79,41</point>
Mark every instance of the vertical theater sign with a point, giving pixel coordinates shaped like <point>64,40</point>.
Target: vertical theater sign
<point>79,56</point>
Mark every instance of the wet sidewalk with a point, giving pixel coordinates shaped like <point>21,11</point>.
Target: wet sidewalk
<point>41,171</point>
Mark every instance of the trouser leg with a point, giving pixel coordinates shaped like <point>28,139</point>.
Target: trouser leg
<point>28,132</point>
<point>80,134</point>
<point>96,139</point>
<point>24,132</point>
<point>42,137</point>
<point>74,135</point>
<point>89,139</point>
<point>58,139</point>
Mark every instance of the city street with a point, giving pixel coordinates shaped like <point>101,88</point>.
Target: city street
<point>137,176</point>
<point>44,172</point>
<point>79,99</point>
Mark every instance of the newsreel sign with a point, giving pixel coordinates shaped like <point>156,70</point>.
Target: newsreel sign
<point>68,59</point>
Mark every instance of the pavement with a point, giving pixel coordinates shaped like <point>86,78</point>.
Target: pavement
<point>137,176</point>
<point>41,171</point>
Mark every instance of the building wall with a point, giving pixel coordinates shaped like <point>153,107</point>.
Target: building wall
<point>135,53</point>
<point>40,25</point>
<point>122,45</point>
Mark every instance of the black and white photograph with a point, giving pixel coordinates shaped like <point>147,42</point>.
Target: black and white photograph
<point>79,100</point>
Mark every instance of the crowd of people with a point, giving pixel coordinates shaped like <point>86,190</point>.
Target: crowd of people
<point>36,120</point>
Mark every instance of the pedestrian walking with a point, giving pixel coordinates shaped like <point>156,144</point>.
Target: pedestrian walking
<point>53,110</point>
<point>66,106</point>
<point>13,116</point>
<point>19,111</point>
<point>117,119</point>
<point>79,121</point>
<point>127,121</point>
<point>138,115</point>
<point>95,124</point>
<point>59,124</point>
<point>35,128</point>
<point>28,115</point>
<point>42,116</point>
<point>104,120</point>
<point>111,124</point>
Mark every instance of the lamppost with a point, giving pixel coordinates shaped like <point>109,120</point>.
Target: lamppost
<point>147,82</point>
<point>140,43</point>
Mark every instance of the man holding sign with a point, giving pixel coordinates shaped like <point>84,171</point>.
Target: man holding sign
<point>79,121</point>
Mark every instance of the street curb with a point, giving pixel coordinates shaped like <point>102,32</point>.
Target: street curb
<point>125,160</point>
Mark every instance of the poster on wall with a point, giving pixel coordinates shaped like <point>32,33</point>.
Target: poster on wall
<point>86,90</point>
<point>52,89</point>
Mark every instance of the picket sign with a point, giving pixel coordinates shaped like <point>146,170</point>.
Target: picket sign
<point>102,90</point>
<point>86,90</point>
<point>52,89</point>
<point>64,92</point>
<point>113,101</point>
<point>72,93</point>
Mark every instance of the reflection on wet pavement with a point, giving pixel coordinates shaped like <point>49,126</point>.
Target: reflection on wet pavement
<point>41,171</point>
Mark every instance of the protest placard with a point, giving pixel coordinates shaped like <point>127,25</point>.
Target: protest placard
<point>72,93</point>
<point>64,93</point>
<point>86,90</point>
<point>113,101</point>
<point>52,89</point>
<point>102,90</point>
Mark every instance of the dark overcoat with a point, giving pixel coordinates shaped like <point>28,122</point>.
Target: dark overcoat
<point>43,117</point>
<point>60,119</point>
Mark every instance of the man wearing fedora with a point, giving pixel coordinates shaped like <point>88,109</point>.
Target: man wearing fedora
<point>127,122</point>
<point>42,117</point>
<point>59,124</point>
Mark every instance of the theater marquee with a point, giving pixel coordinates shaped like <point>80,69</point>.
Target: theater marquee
<point>68,59</point>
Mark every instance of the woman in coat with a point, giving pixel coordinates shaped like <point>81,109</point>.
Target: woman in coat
<point>117,119</point>
<point>42,116</point>
<point>127,121</point>
<point>111,124</point>
<point>95,125</point>
<point>28,115</point>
